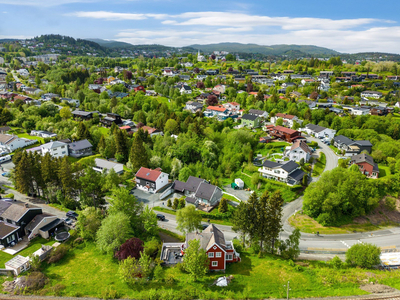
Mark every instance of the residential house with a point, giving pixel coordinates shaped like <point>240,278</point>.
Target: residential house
<point>199,191</point>
<point>102,165</point>
<point>366,165</point>
<point>80,148</point>
<point>43,134</point>
<point>40,223</point>
<point>357,111</point>
<point>260,113</point>
<point>152,131</point>
<point>11,143</point>
<point>299,150</point>
<point>83,115</point>
<point>319,131</point>
<point>232,106</point>
<point>283,133</point>
<point>379,111</point>
<point>55,149</point>
<point>111,118</point>
<point>151,180</point>
<point>185,89</point>
<point>5,129</point>
<point>217,111</point>
<point>74,102</point>
<point>193,106</point>
<point>252,121</point>
<point>138,88</point>
<point>220,88</point>
<point>288,172</point>
<point>371,94</point>
<point>350,146</point>
<point>288,120</point>
<point>13,220</point>
<point>219,251</point>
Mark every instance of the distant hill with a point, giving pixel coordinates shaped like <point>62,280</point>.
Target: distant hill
<point>8,40</point>
<point>266,50</point>
<point>110,43</point>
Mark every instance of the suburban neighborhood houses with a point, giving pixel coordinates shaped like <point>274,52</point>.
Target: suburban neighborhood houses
<point>220,171</point>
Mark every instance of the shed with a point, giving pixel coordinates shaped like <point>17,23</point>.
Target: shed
<point>18,264</point>
<point>43,252</point>
<point>239,182</point>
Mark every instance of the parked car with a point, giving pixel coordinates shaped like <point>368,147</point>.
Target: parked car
<point>67,221</point>
<point>5,174</point>
<point>8,199</point>
<point>160,217</point>
<point>71,214</point>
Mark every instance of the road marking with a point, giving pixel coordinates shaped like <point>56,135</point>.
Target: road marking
<point>359,242</point>
<point>344,243</point>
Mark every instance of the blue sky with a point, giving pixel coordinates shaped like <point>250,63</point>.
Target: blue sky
<point>346,26</point>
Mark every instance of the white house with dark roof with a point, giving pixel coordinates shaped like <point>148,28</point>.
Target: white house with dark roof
<point>80,148</point>
<point>259,113</point>
<point>350,146</point>
<point>371,94</point>
<point>288,172</point>
<point>55,149</point>
<point>10,142</point>
<point>299,150</point>
<point>319,131</point>
<point>193,106</point>
<point>185,89</point>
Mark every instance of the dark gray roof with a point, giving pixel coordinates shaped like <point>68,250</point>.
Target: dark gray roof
<point>193,183</point>
<point>3,206</point>
<point>205,190</point>
<point>6,229</point>
<point>81,113</point>
<point>290,166</point>
<point>363,143</point>
<point>36,220</point>
<point>249,117</point>
<point>297,175</point>
<point>190,200</point>
<point>271,164</point>
<point>14,212</point>
<point>315,128</point>
<point>256,112</point>
<point>79,145</point>
<point>341,139</point>
<point>208,237</point>
<point>179,185</point>
<point>52,225</point>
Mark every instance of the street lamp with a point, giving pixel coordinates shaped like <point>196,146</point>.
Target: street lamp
<point>287,289</point>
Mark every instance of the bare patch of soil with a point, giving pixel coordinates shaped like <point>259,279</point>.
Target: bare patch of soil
<point>377,288</point>
<point>381,215</point>
<point>167,239</point>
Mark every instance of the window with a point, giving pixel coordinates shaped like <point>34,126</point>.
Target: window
<point>218,254</point>
<point>211,254</point>
<point>63,152</point>
<point>62,147</point>
<point>214,264</point>
<point>229,257</point>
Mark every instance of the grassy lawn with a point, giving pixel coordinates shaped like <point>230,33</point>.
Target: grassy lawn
<point>230,198</point>
<point>84,271</point>
<point>29,137</point>
<point>396,115</point>
<point>104,130</point>
<point>383,171</point>
<point>319,165</point>
<point>308,225</point>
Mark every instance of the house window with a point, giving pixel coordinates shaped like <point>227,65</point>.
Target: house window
<point>218,254</point>
<point>63,152</point>
<point>214,264</point>
<point>211,254</point>
<point>229,257</point>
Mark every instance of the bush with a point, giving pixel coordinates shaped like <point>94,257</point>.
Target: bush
<point>169,203</point>
<point>175,204</point>
<point>9,196</point>
<point>58,254</point>
<point>35,262</point>
<point>363,255</point>
<point>57,289</point>
<point>336,262</point>
<point>152,247</point>
<point>223,206</point>
<point>31,283</point>
<point>158,273</point>
<point>109,293</point>
<point>170,279</point>
<point>182,203</point>
<point>390,203</point>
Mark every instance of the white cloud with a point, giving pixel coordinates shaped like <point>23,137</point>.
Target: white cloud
<point>19,37</point>
<point>114,16</point>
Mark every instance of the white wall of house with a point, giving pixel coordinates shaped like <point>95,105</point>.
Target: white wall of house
<point>276,173</point>
<point>162,181</point>
<point>41,224</point>
<point>297,154</point>
<point>56,152</point>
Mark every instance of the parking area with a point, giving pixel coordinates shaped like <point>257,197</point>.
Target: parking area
<point>146,197</point>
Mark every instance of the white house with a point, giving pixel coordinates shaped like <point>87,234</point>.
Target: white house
<point>75,102</point>
<point>289,172</point>
<point>102,165</point>
<point>259,113</point>
<point>371,94</point>
<point>23,72</point>
<point>232,106</point>
<point>193,107</point>
<point>319,131</point>
<point>200,57</point>
<point>151,180</point>
<point>288,120</point>
<point>298,150</point>
<point>55,149</point>
<point>10,142</point>
<point>185,89</point>
<point>43,133</point>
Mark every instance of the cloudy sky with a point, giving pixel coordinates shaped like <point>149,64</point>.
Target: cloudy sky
<point>346,26</point>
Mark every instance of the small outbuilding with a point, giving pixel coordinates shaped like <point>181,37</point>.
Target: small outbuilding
<point>18,264</point>
<point>239,182</point>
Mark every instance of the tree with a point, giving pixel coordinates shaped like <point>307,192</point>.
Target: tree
<point>89,222</point>
<point>145,265</point>
<point>92,187</point>
<point>122,201</point>
<point>279,122</point>
<point>171,126</point>
<point>113,232</point>
<point>200,85</point>
<point>212,100</point>
<point>196,260</point>
<point>223,206</point>
<point>240,219</point>
<point>184,174</point>
<point>169,203</point>
<point>138,155</point>
<point>175,204</point>
<point>290,248</point>
<point>65,113</point>
<point>83,132</point>
<point>23,178</point>
<point>363,255</point>
<point>150,221</point>
<point>188,219</point>
<point>129,270</point>
<point>131,248</point>
<point>65,175</point>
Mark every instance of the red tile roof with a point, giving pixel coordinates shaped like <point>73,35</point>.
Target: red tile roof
<point>217,108</point>
<point>234,103</point>
<point>150,130</point>
<point>284,129</point>
<point>284,116</point>
<point>148,174</point>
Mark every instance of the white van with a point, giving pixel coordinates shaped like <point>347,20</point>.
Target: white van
<point>4,159</point>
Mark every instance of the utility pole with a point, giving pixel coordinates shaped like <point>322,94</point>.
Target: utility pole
<point>287,289</point>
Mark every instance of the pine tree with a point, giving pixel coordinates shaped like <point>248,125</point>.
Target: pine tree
<point>138,156</point>
<point>121,146</point>
<point>223,206</point>
<point>23,177</point>
<point>65,176</point>
<point>263,222</point>
<point>274,214</point>
<point>252,207</point>
<point>83,132</point>
<point>102,144</point>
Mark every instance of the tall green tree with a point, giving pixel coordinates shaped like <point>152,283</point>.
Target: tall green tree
<point>363,255</point>
<point>138,156</point>
<point>121,145</point>
<point>92,187</point>
<point>66,177</point>
<point>89,222</point>
<point>83,132</point>
<point>274,215</point>
<point>23,176</point>
<point>196,260</point>
<point>188,219</point>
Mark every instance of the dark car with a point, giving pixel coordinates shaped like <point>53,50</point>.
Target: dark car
<point>71,214</point>
<point>160,217</point>
<point>204,226</point>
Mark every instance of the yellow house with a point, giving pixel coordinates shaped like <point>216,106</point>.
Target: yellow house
<point>109,79</point>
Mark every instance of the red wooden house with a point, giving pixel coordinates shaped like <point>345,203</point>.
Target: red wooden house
<point>287,134</point>
<point>366,165</point>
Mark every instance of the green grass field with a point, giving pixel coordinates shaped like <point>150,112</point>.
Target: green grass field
<point>384,171</point>
<point>319,165</point>
<point>84,271</point>
<point>29,137</point>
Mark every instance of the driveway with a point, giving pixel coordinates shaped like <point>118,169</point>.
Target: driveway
<point>241,194</point>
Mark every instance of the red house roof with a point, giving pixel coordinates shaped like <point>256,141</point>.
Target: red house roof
<point>148,174</point>
<point>150,130</point>
<point>217,108</point>
<point>284,129</point>
<point>284,116</point>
